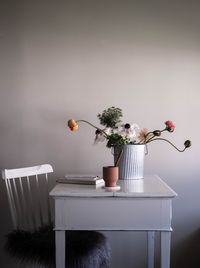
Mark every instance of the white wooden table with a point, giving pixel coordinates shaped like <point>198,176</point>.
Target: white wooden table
<point>140,205</point>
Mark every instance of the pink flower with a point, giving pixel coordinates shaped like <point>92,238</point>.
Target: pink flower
<point>143,133</point>
<point>170,126</point>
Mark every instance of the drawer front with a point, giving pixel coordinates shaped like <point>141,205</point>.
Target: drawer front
<point>113,213</point>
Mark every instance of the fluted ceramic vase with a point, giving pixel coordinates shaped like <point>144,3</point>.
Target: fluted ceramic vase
<point>131,162</point>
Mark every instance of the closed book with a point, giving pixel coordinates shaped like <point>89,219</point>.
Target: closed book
<point>81,179</point>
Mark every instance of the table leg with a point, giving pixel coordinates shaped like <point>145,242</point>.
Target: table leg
<point>150,248</point>
<point>165,249</point>
<point>60,249</point>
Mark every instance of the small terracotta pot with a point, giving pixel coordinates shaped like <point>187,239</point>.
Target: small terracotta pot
<point>110,175</point>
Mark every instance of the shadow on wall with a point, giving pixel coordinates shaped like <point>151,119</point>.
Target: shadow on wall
<point>188,253</point>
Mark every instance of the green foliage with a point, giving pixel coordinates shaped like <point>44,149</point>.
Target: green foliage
<point>116,140</point>
<point>110,117</point>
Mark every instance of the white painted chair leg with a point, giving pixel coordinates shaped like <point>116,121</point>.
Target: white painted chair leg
<point>165,249</point>
<point>60,249</point>
<point>150,248</point>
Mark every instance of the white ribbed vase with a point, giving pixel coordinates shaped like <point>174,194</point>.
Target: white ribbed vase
<point>131,164</point>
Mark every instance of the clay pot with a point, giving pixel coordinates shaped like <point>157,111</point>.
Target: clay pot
<point>110,175</point>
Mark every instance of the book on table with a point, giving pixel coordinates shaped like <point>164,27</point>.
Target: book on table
<point>81,179</point>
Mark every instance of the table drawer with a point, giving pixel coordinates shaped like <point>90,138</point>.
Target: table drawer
<point>113,213</point>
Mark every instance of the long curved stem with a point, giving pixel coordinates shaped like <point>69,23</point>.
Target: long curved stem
<point>146,139</point>
<point>81,120</point>
<point>169,143</point>
<point>151,132</point>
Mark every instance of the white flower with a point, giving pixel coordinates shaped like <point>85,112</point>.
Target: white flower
<point>129,131</point>
<point>100,136</point>
<point>108,130</point>
<point>142,134</point>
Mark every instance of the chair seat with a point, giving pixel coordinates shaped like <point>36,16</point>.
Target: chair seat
<point>85,249</point>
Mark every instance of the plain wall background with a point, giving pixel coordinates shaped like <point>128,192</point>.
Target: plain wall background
<point>72,59</point>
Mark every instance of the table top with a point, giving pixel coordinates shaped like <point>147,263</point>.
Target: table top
<point>150,186</point>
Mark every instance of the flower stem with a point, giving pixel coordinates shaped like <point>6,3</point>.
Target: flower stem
<point>151,132</point>
<point>118,158</point>
<point>161,139</point>
<point>146,139</point>
<point>81,120</point>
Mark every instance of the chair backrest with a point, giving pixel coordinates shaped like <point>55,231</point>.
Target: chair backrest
<point>27,190</point>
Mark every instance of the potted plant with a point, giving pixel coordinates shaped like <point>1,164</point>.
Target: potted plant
<point>127,141</point>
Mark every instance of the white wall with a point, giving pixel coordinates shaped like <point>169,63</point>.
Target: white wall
<point>63,59</point>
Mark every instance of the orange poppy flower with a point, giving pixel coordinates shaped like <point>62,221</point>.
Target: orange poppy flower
<point>73,125</point>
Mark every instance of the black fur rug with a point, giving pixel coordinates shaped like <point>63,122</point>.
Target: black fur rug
<point>85,249</point>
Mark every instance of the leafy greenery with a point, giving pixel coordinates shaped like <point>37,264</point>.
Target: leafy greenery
<point>110,117</point>
<point>116,140</point>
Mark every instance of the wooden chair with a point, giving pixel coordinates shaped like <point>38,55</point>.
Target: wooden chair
<point>33,241</point>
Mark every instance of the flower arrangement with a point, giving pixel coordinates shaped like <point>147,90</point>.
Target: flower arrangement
<point>117,134</point>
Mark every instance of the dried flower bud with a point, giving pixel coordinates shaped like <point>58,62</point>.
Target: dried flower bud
<point>156,132</point>
<point>187,143</point>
